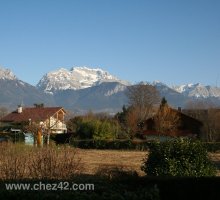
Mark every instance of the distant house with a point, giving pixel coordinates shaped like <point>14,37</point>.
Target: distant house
<point>187,127</point>
<point>50,118</point>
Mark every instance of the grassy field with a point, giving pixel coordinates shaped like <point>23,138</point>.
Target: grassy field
<point>95,160</point>
<point>49,162</point>
<point>111,171</point>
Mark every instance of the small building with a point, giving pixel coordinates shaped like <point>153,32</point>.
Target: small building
<point>49,118</point>
<point>187,126</point>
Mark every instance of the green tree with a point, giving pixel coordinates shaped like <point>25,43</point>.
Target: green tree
<point>97,129</point>
<point>163,102</point>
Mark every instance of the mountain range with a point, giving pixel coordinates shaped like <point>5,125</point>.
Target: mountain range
<point>81,89</point>
<point>14,91</point>
<point>76,78</point>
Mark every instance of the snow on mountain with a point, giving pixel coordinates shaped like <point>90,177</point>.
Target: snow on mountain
<point>76,78</point>
<point>197,90</point>
<point>14,91</point>
<point>86,88</point>
<point>6,74</point>
<point>118,88</point>
<point>105,97</point>
<point>182,88</point>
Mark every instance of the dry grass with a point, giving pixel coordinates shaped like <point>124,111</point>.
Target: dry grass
<point>18,162</point>
<point>96,160</point>
<point>215,158</point>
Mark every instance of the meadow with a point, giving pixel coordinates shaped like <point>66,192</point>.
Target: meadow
<point>115,173</point>
<point>63,162</point>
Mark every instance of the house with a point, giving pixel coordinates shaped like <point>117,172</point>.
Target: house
<point>49,118</point>
<point>210,119</point>
<point>187,126</point>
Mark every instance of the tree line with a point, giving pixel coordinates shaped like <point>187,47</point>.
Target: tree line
<point>144,102</point>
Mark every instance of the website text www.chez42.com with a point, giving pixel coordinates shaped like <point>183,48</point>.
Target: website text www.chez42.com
<point>58,186</point>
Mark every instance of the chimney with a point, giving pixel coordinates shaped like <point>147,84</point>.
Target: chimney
<point>179,109</point>
<point>19,109</point>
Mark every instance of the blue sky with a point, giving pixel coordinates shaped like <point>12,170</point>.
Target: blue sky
<point>174,41</point>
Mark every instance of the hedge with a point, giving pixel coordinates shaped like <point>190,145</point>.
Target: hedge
<point>111,144</point>
<point>127,144</point>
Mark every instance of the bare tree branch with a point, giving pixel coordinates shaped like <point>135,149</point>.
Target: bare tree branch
<point>143,98</point>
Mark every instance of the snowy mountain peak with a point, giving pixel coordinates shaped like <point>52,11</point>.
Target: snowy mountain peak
<point>84,68</point>
<point>64,70</point>
<point>6,74</point>
<point>197,90</point>
<point>93,75</point>
<point>76,78</point>
<point>183,88</point>
<point>158,83</point>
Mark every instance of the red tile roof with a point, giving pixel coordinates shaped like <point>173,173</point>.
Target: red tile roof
<point>35,114</point>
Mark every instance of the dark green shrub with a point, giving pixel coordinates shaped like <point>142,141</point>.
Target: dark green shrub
<point>212,146</point>
<point>111,144</point>
<point>181,157</point>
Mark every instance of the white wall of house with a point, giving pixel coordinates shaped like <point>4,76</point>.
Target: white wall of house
<point>57,126</point>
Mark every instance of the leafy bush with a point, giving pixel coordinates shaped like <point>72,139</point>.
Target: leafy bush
<point>96,129</point>
<point>181,157</point>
